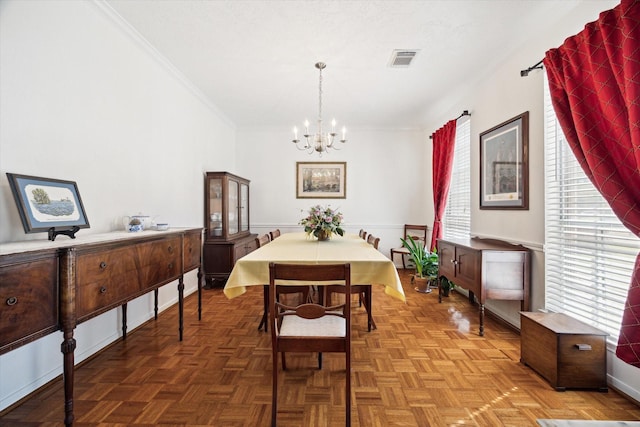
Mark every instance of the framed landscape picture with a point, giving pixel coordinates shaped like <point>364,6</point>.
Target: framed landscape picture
<point>46,203</point>
<point>504,165</point>
<point>321,180</point>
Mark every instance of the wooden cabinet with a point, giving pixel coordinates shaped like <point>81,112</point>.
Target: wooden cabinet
<point>566,352</point>
<point>488,269</point>
<point>226,218</point>
<point>46,286</point>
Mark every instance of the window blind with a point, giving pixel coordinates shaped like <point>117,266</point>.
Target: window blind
<point>589,254</point>
<point>457,216</point>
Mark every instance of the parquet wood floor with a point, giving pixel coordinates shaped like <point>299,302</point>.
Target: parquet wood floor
<point>425,365</point>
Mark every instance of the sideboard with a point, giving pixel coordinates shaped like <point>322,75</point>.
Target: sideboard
<point>487,268</point>
<point>48,286</point>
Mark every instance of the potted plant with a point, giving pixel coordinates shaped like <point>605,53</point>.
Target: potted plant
<point>446,286</point>
<point>426,264</point>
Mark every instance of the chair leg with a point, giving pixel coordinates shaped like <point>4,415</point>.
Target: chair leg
<point>265,313</point>
<point>319,361</point>
<point>348,389</point>
<point>274,391</point>
<point>367,305</point>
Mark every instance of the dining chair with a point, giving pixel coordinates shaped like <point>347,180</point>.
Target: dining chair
<point>275,233</point>
<point>364,298</point>
<point>263,240</point>
<point>303,291</point>
<point>363,291</point>
<point>373,240</point>
<point>362,234</point>
<point>309,327</point>
<point>416,232</point>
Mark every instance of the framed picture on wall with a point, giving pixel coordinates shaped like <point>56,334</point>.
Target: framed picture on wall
<point>321,180</point>
<point>504,165</point>
<point>47,204</point>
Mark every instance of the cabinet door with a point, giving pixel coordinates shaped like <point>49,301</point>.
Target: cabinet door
<point>244,207</point>
<point>214,200</point>
<point>468,269</point>
<point>446,260</point>
<point>233,217</point>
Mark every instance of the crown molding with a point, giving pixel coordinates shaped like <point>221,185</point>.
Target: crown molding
<point>162,60</point>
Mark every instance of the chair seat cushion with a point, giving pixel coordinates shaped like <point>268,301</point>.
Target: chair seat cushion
<point>295,326</point>
<point>401,250</point>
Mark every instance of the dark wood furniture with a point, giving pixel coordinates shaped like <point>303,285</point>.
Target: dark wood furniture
<point>274,234</point>
<point>309,327</point>
<point>416,232</point>
<point>226,218</point>
<point>373,240</point>
<point>488,269</point>
<point>48,286</point>
<point>565,351</point>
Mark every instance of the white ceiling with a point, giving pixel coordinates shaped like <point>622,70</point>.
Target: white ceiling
<point>255,59</point>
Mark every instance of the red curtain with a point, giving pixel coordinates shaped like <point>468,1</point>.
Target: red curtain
<point>443,146</point>
<point>594,79</point>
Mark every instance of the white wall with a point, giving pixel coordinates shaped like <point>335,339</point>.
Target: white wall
<point>388,180</point>
<point>84,99</point>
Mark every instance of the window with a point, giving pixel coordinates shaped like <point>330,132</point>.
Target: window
<point>457,215</point>
<point>589,254</point>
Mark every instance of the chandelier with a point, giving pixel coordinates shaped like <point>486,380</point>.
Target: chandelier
<point>319,141</point>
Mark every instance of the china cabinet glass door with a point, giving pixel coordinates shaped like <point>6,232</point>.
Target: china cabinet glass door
<point>244,207</point>
<point>233,207</point>
<point>215,208</point>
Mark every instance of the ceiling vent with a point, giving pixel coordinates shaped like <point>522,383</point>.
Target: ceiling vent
<point>402,58</point>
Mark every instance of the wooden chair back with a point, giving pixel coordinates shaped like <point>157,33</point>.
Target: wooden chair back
<point>309,327</point>
<point>275,233</point>
<point>362,234</point>
<point>263,240</point>
<point>416,232</point>
<point>373,240</point>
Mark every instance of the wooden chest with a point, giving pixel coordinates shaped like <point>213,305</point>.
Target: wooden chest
<point>566,352</point>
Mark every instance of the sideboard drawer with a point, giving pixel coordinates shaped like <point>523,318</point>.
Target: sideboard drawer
<point>28,301</point>
<point>192,250</point>
<point>105,278</point>
<point>160,261</point>
<point>111,277</point>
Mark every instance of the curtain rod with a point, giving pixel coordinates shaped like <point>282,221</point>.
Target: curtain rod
<point>525,73</point>
<point>464,113</point>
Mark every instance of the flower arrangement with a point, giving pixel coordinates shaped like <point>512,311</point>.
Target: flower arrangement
<point>322,222</point>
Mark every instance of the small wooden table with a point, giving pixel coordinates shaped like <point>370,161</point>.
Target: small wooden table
<point>566,352</point>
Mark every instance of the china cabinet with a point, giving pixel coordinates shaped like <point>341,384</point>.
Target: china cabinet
<point>226,218</point>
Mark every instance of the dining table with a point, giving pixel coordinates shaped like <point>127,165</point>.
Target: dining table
<point>368,265</point>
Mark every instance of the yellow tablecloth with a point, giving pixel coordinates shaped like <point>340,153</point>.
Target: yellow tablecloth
<point>368,265</point>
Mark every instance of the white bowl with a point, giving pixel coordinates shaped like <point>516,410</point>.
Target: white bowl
<point>162,227</point>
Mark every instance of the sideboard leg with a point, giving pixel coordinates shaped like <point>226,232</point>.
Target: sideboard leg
<point>481,320</point>
<point>199,293</point>
<point>180,304</point>
<point>155,303</point>
<point>67,348</point>
<point>124,321</point>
